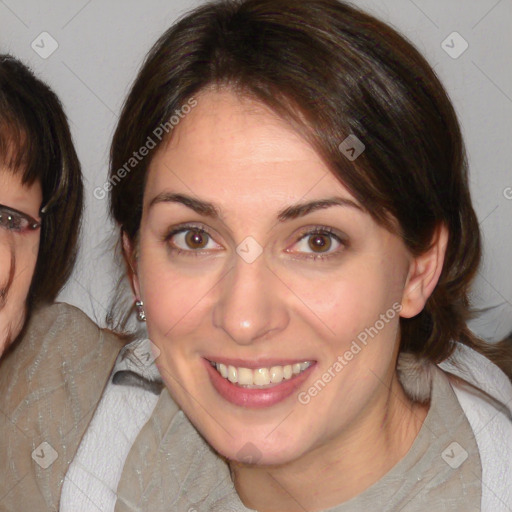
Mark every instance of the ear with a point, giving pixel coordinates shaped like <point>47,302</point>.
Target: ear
<point>130,258</point>
<point>424,273</point>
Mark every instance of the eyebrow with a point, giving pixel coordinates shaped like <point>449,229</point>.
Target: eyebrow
<point>300,210</point>
<point>292,212</point>
<point>200,207</point>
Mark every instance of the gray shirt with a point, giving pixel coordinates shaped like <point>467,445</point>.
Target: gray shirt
<point>441,472</point>
<point>172,468</point>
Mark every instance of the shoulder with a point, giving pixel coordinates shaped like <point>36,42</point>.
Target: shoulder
<point>58,337</point>
<point>51,381</point>
<point>476,370</point>
<point>64,319</point>
<point>485,395</point>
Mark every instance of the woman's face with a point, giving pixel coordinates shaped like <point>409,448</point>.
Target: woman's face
<point>19,245</point>
<point>253,257</point>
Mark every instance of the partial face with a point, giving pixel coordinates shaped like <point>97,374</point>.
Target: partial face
<point>261,275</point>
<point>19,245</point>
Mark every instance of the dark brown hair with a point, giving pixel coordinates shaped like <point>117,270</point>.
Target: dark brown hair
<point>35,142</point>
<point>331,71</point>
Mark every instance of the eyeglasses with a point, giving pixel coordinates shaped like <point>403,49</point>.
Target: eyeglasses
<point>14,220</point>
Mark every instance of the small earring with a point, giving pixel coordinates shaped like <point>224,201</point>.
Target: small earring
<point>141,314</point>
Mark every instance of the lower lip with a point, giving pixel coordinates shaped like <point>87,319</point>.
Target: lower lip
<point>255,398</point>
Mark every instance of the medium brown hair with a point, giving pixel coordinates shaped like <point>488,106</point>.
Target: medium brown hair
<point>331,71</point>
<point>36,143</point>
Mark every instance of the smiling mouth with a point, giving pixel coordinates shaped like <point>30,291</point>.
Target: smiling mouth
<point>260,378</point>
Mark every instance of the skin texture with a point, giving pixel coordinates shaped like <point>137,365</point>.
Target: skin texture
<point>236,154</point>
<point>18,255</point>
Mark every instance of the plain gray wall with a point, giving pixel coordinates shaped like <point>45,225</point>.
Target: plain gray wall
<point>102,43</point>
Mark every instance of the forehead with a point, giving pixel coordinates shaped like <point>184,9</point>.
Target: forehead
<point>232,148</point>
<point>16,194</point>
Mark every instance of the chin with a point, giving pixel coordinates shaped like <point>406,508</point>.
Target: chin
<point>246,447</point>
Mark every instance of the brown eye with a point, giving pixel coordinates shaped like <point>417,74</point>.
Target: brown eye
<point>192,241</point>
<point>319,243</point>
<point>196,239</point>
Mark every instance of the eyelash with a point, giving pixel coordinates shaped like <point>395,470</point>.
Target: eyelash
<point>183,229</point>
<point>317,230</point>
<point>320,230</point>
<point>13,221</point>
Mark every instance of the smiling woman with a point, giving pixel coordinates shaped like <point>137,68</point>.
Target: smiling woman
<point>306,230</point>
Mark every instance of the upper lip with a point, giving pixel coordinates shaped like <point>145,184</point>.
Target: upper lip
<point>254,364</point>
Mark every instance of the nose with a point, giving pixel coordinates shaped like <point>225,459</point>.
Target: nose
<point>251,306</point>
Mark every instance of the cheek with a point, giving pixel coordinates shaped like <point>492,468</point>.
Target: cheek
<point>174,300</point>
<point>7,268</point>
<point>17,263</point>
<point>347,301</point>
<point>361,308</point>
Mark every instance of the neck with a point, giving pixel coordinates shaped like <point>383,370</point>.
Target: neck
<point>342,467</point>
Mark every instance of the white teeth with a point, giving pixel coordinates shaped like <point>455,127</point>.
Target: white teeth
<point>276,374</point>
<point>223,370</point>
<point>260,376</point>
<point>245,377</point>
<point>232,374</point>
